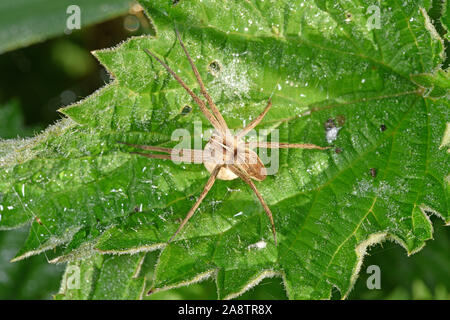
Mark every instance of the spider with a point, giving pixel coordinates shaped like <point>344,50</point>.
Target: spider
<point>226,156</point>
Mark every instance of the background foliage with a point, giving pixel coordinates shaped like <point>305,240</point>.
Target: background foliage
<point>131,89</point>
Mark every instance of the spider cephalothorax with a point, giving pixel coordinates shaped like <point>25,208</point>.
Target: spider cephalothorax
<point>233,154</point>
<point>226,156</point>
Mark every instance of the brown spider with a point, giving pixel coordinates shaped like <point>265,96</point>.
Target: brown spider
<point>226,156</point>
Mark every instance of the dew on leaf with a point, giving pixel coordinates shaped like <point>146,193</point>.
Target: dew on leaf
<point>232,80</point>
<point>362,188</point>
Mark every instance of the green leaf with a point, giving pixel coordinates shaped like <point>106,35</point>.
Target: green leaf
<point>400,275</point>
<point>445,19</point>
<point>33,278</point>
<point>103,277</point>
<point>437,85</point>
<point>85,193</point>
<point>24,22</point>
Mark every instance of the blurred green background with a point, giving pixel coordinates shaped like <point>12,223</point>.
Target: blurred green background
<point>50,68</point>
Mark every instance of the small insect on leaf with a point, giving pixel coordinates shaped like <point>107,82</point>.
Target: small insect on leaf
<point>214,68</point>
<point>186,110</point>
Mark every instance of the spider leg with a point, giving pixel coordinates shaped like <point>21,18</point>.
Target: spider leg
<point>145,147</point>
<point>206,189</point>
<point>153,156</point>
<point>200,103</point>
<point>255,121</point>
<point>184,155</point>
<point>283,145</point>
<point>249,181</point>
<point>211,103</point>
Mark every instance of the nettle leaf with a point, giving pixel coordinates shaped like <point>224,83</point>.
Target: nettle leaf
<point>42,19</point>
<point>437,85</point>
<point>325,68</point>
<point>445,19</point>
<point>103,277</point>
